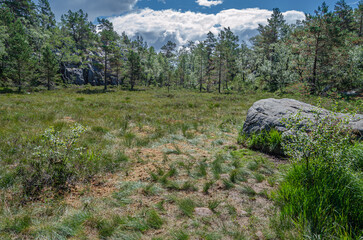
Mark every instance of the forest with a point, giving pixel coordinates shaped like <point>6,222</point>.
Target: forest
<point>105,137</point>
<point>320,55</point>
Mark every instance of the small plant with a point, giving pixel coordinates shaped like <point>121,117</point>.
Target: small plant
<point>180,235</point>
<point>207,186</point>
<point>212,205</point>
<point>55,163</point>
<point>187,206</point>
<point>271,181</point>
<point>129,138</point>
<point>238,175</point>
<point>126,189</point>
<point>228,184</point>
<point>160,205</point>
<point>249,191</point>
<point>253,165</point>
<point>265,141</point>
<point>231,210</point>
<point>189,186</point>
<point>186,131</point>
<point>202,169</point>
<point>154,220</point>
<point>217,166</point>
<point>259,177</point>
<point>150,190</point>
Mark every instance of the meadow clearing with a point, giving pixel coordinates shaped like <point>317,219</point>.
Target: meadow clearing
<point>149,165</point>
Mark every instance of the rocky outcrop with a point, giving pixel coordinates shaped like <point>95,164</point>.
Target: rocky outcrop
<point>74,75</point>
<point>268,113</point>
<point>88,71</point>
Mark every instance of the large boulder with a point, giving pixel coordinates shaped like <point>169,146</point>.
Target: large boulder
<point>268,113</point>
<point>74,75</point>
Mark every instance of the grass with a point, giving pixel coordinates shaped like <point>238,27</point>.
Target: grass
<point>155,156</point>
<point>265,141</point>
<point>186,206</point>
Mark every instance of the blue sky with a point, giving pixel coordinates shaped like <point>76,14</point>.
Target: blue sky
<point>307,6</point>
<point>181,20</point>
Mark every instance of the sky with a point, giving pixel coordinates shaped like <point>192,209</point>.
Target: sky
<point>159,21</point>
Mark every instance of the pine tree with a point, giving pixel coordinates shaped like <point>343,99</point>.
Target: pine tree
<point>49,65</point>
<point>47,17</point>
<point>76,24</point>
<point>21,8</point>
<point>107,37</point>
<point>210,43</point>
<point>19,52</point>
<point>134,67</point>
<point>201,57</point>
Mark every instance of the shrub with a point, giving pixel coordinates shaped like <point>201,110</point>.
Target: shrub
<point>51,165</point>
<point>321,193</point>
<point>58,162</point>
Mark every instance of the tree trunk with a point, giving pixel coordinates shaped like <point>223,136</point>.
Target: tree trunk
<point>48,77</point>
<point>361,25</point>
<point>201,76</point>
<point>220,74</point>
<point>105,89</point>
<point>314,80</point>
<point>19,77</point>
<point>117,73</point>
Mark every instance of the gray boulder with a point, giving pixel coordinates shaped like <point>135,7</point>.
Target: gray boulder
<point>268,113</point>
<point>94,75</point>
<point>74,75</point>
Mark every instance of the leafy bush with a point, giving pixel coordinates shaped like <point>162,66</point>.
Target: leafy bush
<point>58,162</point>
<point>51,165</point>
<point>321,193</point>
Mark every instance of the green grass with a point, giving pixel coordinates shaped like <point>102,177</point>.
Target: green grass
<point>265,141</point>
<point>329,205</point>
<point>186,206</point>
<point>147,158</point>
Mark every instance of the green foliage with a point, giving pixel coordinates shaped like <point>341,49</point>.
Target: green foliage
<point>207,186</point>
<point>321,192</point>
<point>238,175</point>
<point>55,163</point>
<point>181,235</point>
<point>153,219</point>
<point>20,53</point>
<point>213,204</point>
<point>249,191</point>
<point>266,141</point>
<point>50,65</point>
<point>228,184</point>
<point>323,139</point>
<point>186,206</point>
<point>58,162</point>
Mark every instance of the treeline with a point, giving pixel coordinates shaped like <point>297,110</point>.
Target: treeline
<point>323,52</point>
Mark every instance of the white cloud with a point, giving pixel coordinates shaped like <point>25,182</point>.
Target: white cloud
<point>209,3</point>
<point>94,8</point>
<point>157,27</point>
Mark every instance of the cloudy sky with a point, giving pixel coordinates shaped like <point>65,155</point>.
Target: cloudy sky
<point>181,20</point>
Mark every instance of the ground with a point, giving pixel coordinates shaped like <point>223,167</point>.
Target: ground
<point>185,176</point>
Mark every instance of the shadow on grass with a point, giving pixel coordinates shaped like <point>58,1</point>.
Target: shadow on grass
<point>6,90</point>
<point>94,91</point>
